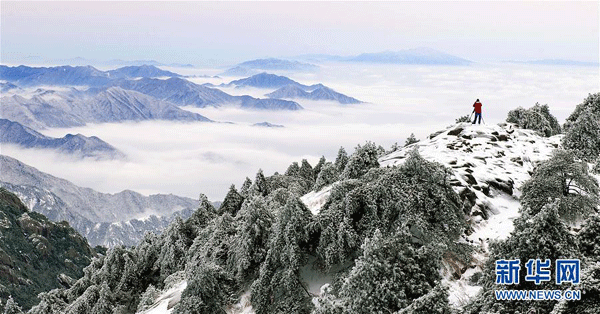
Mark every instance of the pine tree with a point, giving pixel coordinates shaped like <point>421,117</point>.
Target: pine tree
<point>105,302</point>
<point>209,289</point>
<point>364,158</point>
<point>293,170</point>
<point>436,301</point>
<point>341,160</point>
<point>11,307</point>
<point>148,298</point>
<point>536,118</point>
<point>395,147</point>
<point>561,177</point>
<point>411,140</point>
<point>259,187</point>
<point>232,202</point>
<point>589,237</point>
<point>306,171</point>
<point>390,273</point>
<point>327,176</point>
<point>245,190</point>
<point>318,167</point>
<point>583,136</point>
<point>592,102</point>
<point>278,288</point>
<point>249,247</point>
<point>543,235</point>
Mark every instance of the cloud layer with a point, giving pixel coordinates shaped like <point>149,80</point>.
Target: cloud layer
<point>192,158</point>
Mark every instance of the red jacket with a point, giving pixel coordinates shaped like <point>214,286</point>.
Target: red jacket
<point>477,106</point>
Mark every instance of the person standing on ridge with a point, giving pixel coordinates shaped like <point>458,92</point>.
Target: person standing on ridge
<point>477,109</point>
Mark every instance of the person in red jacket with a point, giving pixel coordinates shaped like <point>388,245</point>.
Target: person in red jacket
<point>477,109</point>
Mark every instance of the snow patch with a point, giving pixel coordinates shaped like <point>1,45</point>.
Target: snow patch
<point>242,307</point>
<point>166,302</point>
<point>316,199</point>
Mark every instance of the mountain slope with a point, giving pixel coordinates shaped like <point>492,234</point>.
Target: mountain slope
<point>78,145</point>
<point>36,254</point>
<point>319,93</point>
<point>185,93</point>
<point>61,75</point>
<point>76,108</point>
<point>76,76</point>
<point>99,216</point>
<point>139,71</point>
<point>266,80</point>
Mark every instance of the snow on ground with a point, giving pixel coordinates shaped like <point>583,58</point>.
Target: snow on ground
<point>242,307</point>
<point>315,200</point>
<point>492,162</point>
<point>167,300</point>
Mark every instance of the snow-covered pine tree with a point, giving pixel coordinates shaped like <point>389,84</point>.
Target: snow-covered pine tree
<point>536,118</point>
<point>589,237</point>
<point>391,272</point>
<point>592,102</point>
<point>293,170</point>
<point>417,193</point>
<point>542,235</point>
<point>209,289</point>
<point>278,288</point>
<point>245,190</point>
<point>11,307</point>
<point>561,177</point>
<point>341,160</point>
<point>306,171</point>
<point>435,301</point>
<point>327,176</point>
<point>249,247</point>
<point>364,158</point>
<point>232,202</point>
<point>318,167</point>
<point>105,302</point>
<point>583,136</point>
<point>411,140</point>
<point>148,298</point>
<point>259,187</point>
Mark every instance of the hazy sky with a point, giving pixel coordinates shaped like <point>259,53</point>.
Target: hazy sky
<point>194,32</point>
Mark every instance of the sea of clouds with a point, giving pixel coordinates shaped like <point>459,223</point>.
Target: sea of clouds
<point>191,158</point>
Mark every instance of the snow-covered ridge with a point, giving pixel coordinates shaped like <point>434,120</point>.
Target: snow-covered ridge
<point>489,165</point>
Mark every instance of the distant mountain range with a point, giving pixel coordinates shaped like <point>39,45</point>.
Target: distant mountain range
<point>556,62</point>
<point>78,145</point>
<point>6,86</point>
<point>49,108</point>
<point>185,93</point>
<point>267,80</point>
<point>76,75</point>
<point>105,219</point>
<point>268,125</point>
<point>255,66</point>
<point>125,94</point>
<point>84,61</point>
<point>319,93</point>
<point>290,89</point>
<point>139,71</point>
<point>421,56</point>
<point>59,76</point>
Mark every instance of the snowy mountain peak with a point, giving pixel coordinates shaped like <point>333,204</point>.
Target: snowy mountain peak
<point>489,163</point>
